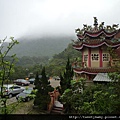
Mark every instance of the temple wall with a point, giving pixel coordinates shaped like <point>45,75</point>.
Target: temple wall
<point>96,57</point>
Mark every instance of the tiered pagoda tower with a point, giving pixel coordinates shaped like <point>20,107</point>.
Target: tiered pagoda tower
<point>93,42</point>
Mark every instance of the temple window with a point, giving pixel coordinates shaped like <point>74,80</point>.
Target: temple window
<point>105,57</point>
<point>95,56</point>
<point>85,57</point>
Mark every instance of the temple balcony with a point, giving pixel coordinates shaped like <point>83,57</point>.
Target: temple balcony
<point>110,64</point>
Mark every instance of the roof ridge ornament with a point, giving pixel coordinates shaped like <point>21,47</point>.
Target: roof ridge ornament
<point>95,21</point>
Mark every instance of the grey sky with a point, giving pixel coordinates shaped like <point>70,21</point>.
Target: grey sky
<point>43,17</point>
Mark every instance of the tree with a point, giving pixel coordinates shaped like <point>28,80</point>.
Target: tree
<point>71,98</point>
<point>6,67</point>
<point>42,85</point>
<point>66,77</point>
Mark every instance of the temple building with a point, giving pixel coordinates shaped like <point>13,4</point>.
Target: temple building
<point>94,43</point>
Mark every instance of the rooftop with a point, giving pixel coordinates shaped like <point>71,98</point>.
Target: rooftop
<point>102,77</point>
<point>96,43</point>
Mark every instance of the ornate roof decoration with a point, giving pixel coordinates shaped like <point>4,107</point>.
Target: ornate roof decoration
<point>97,30</point>
<point>97,35</point>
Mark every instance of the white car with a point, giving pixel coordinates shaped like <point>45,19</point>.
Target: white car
<point>11,89</point>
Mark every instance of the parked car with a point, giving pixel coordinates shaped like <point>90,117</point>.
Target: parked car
<point>11,89</point>
<point>26,95</point>
<point>21,82</point>
<point>31,80</point>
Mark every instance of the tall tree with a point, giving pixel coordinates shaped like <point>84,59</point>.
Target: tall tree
<point>42,85</point>
<point>67,77</point>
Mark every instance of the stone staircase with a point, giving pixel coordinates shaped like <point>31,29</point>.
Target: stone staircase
<point>57,108</point>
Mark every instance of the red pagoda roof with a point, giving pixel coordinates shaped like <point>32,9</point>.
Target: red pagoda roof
<point>97,34</point>
<point>95,43</point>
<point>93,70</point>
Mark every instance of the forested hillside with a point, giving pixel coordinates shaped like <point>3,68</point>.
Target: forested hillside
<point>39,47</point>
<point>54,66</point>
<point>57,64</point>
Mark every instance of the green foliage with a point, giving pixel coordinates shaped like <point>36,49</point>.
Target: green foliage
<point>6,69</point>
<point>66,77</point>
<point>57,64</point>
<point>43,87</point>
<point>27,61</point>
<point>71,97</point>
<point>47,45</point>
<point>54,66</point>
<point>95,99</point>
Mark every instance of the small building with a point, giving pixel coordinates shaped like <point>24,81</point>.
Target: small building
<point>94,43</point>
<point>102,78</point>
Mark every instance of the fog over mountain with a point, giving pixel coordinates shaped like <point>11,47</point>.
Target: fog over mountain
<point>53,17</point>
<point>41,46</point>
<point>46,27</point>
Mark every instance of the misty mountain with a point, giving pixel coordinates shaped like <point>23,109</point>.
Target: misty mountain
<point>45,46</point>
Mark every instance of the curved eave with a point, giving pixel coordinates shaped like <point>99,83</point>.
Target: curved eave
<point>79,47</point>
<point>83,71</point>
<point>93,71</point>
<point>96,34</point>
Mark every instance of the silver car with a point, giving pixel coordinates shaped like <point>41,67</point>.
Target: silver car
<point>11,89</point>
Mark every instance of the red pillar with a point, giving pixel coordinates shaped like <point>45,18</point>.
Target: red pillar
<point>100,54</point>
<point>82,58</point>
<point>89,57</point>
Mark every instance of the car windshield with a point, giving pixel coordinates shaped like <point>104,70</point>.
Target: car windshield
<point>27,91</point>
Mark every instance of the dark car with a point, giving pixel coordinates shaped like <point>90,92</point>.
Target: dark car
<point>26,95</point>
<point>21,82</point>
<point>32,80</point>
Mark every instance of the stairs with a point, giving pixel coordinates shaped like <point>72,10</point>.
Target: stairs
<point>57,108</point>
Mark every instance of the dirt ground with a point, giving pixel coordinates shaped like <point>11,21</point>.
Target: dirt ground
<point>27,108</point>
<point>23,108</point>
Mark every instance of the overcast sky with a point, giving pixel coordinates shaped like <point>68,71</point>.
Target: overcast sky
<point>56,17</point>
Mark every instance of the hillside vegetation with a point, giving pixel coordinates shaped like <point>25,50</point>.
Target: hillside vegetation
<point>39,47</point>
<point>57,64</point>
<point>54,63</point>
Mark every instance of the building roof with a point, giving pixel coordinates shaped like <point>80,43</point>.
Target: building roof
<point>93,71</point>
<point>102,77</point>
<point>97,33</point>
<point>96,43</point>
